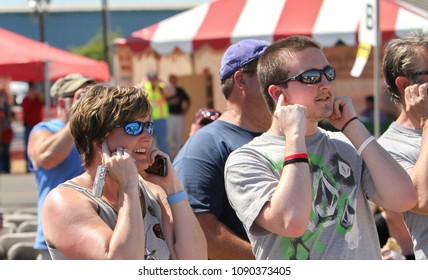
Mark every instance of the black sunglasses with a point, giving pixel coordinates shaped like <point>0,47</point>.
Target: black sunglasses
<point>312,76</point>
<point>136,128</point>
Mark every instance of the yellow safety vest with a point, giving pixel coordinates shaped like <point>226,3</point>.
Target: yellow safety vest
<point>159,104</point>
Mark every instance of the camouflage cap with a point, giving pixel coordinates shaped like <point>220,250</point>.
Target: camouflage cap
<point>68,84</point>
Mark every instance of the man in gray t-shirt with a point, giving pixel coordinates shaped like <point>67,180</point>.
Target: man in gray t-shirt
<point>300,191</point>
<point>406,74</point>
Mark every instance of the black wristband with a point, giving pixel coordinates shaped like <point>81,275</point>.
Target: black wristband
<point>348,122</point>
<point>293,160</point>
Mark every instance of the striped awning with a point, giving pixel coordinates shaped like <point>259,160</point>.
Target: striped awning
<point>222,22</point>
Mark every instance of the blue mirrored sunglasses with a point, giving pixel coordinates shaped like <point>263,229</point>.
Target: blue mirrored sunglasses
<point>136,128</point>
<point>312,76</point>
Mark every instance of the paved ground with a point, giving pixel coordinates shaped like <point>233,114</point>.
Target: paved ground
<point>17,189</point>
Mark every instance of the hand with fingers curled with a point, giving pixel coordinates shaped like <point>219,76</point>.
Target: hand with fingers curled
<point>291,118</point>
<point>120,165</point>
<point>166,182</point>
<point>343,111</point>
<point>416,97</point>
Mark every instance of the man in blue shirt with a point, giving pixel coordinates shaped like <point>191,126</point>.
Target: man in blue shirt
<point>200,163</point>
<point>51,150</point>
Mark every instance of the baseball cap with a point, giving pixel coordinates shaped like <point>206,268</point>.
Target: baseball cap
<point>69,83</point>
<point>240,54</point>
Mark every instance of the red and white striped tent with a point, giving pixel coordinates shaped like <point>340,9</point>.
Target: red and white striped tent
<point>222,22</point>
<point>193,41</point>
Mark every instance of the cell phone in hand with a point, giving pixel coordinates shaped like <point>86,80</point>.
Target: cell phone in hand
<point>100,179</point>
<point>159,167</point>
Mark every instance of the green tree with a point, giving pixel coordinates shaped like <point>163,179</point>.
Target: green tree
<point>94,48</point>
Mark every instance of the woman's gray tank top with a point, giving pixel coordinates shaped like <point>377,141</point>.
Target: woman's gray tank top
<point>156,247</point>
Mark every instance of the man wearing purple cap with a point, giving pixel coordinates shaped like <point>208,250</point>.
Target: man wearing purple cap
<point>200,163</point>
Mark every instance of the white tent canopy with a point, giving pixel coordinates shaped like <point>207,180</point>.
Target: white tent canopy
<point>193,42</point>
<point>222,22</point>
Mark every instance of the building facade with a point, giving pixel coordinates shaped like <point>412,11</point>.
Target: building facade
<point>75,26</point>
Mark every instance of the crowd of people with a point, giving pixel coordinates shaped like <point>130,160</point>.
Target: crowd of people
<point>259,180</point>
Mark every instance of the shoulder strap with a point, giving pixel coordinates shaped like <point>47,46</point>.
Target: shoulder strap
<point>97,200</point>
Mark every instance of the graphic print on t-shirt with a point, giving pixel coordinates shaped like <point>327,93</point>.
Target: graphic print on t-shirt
<point>332,215</point>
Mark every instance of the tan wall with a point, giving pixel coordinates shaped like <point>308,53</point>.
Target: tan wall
<point>195,86</point>
<point>192,70</point>
<point>342,58</point>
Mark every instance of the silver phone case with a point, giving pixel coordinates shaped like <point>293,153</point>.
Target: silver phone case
<point>100,179</point>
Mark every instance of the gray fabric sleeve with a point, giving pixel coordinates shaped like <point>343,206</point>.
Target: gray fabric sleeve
<point>250,182</point>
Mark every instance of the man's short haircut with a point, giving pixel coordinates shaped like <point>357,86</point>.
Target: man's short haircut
<point>272,67</point>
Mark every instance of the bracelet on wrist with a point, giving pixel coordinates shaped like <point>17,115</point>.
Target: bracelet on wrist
<point>299,157</point>
<point>365,143</point>
<point>348,122</point>
<point>177,197</point>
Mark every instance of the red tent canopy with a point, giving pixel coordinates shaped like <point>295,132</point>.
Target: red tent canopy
<point>21,59</point>
<point>222,22</point>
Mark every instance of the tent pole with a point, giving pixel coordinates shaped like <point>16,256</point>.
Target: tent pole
<point>376,93</point>
<point>376,75</point>
<point>46,83</point>
<point>106,33</point>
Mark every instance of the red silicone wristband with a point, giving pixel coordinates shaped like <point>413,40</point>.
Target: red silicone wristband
<point>298,155</point>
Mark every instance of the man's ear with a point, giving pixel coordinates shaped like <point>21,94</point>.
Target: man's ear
<point>240,79</point>
<point>402,82</point>
<point>275,91</point>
